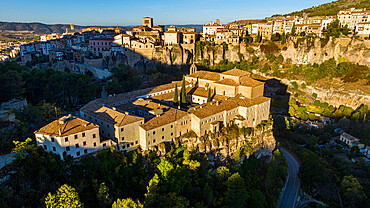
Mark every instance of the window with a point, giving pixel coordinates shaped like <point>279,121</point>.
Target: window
<point>85,151</point>
<point>149,143</point>
<point>83,134</point>
<point>104,145</point>
<point>136,142</point>
<point>84,143</point>
<point>171,126</point>
<point>108,135</point>
<point>172,134</point>
<point>101,123</point>
<point>77,145</point>
<point>54,149</point>
<point>153,141</point>
<point>162,129</point>
<point>68,148</point>
<point>121,129</point>
<point>107,125</point>
<point>162,137</point>
<point>78,153</point>
<point>52,139</point>
<point>153,132</point>
<point>94,136</point>
<point>76,136</point>
<point>66,139</point>
<point>94,144</point>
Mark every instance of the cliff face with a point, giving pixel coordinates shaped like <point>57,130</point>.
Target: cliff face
<point>226,144</point>
<point>356,51</point>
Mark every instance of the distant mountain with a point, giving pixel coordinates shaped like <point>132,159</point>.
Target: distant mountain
<point>332,8</point>
<point>37,28</point>
<point>198,28</point>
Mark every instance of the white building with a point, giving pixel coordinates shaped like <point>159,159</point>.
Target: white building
<point>74,136</point>
<point>211,28</point>
<point>363,28</point>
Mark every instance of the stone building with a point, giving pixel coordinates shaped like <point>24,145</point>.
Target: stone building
<point>71,135</point>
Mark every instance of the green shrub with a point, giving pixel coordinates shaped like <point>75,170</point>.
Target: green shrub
<point>295,85</point>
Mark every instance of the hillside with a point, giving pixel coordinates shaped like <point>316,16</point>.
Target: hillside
<point>332,8</point>
<point>37,28</point>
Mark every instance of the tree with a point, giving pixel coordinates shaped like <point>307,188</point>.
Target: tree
<point>293,29</point>
<point>295,85</point>
<point>183,94</point>
<point>352,191</point>
<point>236,194</point>
<point>311,116</point>
<point>208,195</point>
<point>165,167</point>
<point>209,98</point>
<point>103,195</point>
<point>126,203</point>
<point>176,96</point>
<point>66,197</point>
<point>21,148</point>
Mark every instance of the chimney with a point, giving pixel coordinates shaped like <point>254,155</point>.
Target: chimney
<point>61,121</point>
<point>126,113</point>
<point>114,108</point>
<point>69,115</point>
<point>60,132</point>
<point>217,103</point>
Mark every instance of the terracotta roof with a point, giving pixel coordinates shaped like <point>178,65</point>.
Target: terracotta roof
<point>171,31</point>
<point>71,126</point>
<point>227,82</point>
<point>213,76</point>
<point>236,72</point>
<point>167,117</point>
<point>249,82</point>
<point>199,91</point>
<point>115,117</point>
<point>211,108</point>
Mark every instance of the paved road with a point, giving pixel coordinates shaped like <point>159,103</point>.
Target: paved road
<point>6,159</point>
<point>289,196</point>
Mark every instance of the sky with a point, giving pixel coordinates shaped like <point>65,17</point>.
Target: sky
<point>130,12</point>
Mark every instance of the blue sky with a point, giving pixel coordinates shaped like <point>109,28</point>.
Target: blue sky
<point>130,12</point>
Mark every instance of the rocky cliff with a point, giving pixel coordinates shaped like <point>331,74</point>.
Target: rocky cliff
<point>353,50</point>
<point>228,143</point>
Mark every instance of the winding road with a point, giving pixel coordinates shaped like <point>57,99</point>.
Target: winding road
<point>290,192</point>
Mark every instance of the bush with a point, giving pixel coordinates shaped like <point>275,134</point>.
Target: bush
<point>295,85</point>
<point>314,95</point>
<point>317,103</point>
<point>303,85</point>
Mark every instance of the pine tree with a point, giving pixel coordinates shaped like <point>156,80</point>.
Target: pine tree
<point>293,29</point>
<point>183,93</point>
<point>176,96</point>
<point>66,196</point>
<point>209,99</point>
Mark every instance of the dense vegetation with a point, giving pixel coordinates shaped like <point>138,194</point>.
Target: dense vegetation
<point>332,8</point>
<point>180,179</point>
<point>325,172</point>
<point>37,85</point>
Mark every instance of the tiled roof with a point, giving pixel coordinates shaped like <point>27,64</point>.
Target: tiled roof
<point>227,82</point>
<point>115,117</point>
<point>249,82</point>
<point>167,117</point>
<point>72,126</point>
<point>213,76</point>
<point>211,108</point>
<point>236,72</point>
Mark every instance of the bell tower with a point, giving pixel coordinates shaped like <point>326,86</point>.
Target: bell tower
<point>193,69</point>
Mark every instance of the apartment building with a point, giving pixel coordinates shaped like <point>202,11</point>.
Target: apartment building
<point>212,27</point>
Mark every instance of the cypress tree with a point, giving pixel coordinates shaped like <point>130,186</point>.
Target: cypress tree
<point>209,99</point>
<point>183,93</point>
<point>176,96</point>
